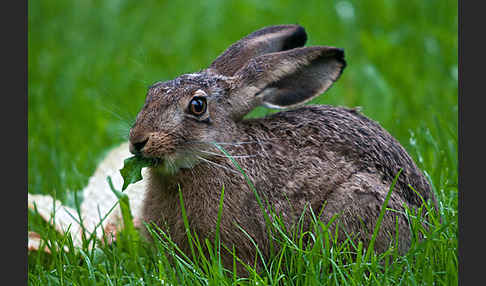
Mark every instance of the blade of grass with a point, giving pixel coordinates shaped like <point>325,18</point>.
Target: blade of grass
<point>186,224</point>
<point>380,217</point>
<point>252,187</point>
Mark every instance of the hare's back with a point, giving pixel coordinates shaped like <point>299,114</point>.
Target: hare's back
<point>343,138</point>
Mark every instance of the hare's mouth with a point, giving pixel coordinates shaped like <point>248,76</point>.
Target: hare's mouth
<point>172,164</point>
<point>147,161</point>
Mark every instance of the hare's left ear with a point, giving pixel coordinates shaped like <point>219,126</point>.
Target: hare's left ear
<point>286,79</point>
<point>266,40</point>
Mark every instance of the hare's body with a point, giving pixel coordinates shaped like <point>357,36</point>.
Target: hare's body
<point>306,158</point>
<point>337,159</point>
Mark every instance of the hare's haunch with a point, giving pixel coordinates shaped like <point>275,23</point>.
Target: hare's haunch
<point>305,157</point>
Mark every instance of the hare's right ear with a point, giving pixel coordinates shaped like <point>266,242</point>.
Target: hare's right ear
<point>285,79</point>
<point>267,40</point>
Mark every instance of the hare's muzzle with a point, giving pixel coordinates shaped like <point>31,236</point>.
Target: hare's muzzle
<point>137,142</point>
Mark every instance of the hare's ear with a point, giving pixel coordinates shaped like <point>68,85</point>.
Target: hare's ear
<point>286,79</point>
<point>267,40</point>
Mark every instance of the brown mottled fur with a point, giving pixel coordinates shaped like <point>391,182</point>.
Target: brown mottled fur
<point>312,156</point>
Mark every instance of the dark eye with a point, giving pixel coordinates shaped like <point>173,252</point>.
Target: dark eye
<point>197,106</point>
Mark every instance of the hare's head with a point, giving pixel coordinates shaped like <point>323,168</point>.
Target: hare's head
<point>268,67</point>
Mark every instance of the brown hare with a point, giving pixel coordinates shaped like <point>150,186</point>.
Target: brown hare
<point>332,161</point>
<point>312,157</point>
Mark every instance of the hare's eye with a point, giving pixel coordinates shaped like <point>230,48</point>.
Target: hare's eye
<point>197,106</point>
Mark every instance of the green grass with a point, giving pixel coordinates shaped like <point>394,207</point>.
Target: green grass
<point>90,63</point>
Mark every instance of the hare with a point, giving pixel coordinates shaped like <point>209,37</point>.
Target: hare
<point>319,157</point>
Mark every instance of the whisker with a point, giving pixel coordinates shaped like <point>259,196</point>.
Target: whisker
<point>117,113</point>
<point>224,156</point>
<point>216,164</point>
<point>230,143</point>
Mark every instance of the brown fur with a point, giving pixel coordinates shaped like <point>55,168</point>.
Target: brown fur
<point>312,156</point>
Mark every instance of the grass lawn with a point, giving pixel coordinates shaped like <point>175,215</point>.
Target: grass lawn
<point>89,66</point>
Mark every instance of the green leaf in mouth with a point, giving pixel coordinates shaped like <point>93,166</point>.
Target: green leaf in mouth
<point>132,169</point>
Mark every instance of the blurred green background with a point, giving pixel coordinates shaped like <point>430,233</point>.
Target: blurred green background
<point>90,63</point>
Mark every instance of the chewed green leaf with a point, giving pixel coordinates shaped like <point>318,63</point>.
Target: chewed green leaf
<point>132,170</point>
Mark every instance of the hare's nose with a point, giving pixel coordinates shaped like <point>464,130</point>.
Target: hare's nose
<point>138,146</point>
<point>137,143</point>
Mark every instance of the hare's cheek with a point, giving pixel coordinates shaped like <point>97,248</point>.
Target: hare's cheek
<point>192,129</point>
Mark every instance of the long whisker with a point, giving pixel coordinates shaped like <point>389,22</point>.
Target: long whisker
<point>224,156</point>
<point>230,143</point>
<point>216,164</point>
